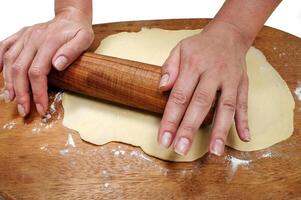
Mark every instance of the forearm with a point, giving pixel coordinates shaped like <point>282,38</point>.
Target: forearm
<point>79,7</point>
<point>246,16</point>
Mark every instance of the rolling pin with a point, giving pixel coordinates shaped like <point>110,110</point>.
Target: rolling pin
<point>116,80</point>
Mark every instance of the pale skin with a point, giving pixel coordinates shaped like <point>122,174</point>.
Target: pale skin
<point>195,70</point>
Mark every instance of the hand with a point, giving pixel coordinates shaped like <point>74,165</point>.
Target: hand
<point>27,56</point>
<point>195,70</point>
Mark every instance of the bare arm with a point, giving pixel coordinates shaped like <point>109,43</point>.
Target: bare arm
<point>246,16</point>
<point>80,6</point>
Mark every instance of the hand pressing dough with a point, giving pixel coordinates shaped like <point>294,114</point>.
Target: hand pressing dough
<point>270,103</point>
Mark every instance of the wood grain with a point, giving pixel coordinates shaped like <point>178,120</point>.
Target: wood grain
<point>116,80</point>
<point>121,81</point>
<point>37,162</point>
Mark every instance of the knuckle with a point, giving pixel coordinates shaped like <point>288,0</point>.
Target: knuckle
<point>88,35</point>
<point>220,59</point>
<point>35,32</point>
<point>219,64</point>
<point>34,72</point>
<point>185,65</point>
<point>194,66</point>
<point>168,67</point>
<point>188,127</point>
<point>229,104</point>
<point>164,69</point>
<point>22,98</point>
<point>8,85</point>
<point>194,60</point>
<point>17,68</point>
<point>178,97</point>
<point>29,44</point>
<point>203,98</point>
<point>4,44</point>
<point>241,121</point>
<point>190,67</point>
<point>50,39</point>
<point>70,50</point>
<point>244,124</point>
<point>8,56</point>
<point>28,37</point>
<point>165,66</point>
<point>171,122</point>
<point>37,95</point>
<point>220,132</point>
<point>242,106</point>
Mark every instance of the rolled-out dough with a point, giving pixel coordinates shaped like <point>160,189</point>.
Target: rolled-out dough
<point>270,103</point>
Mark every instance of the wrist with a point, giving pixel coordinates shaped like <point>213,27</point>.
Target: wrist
<point>230,32</point>
<point>75,14</point>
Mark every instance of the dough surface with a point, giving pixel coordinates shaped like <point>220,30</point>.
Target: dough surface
<point>270,103</point>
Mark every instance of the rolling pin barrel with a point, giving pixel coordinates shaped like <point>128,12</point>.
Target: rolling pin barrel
<point>116,80</point>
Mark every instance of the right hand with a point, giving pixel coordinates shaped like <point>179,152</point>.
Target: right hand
<point>27,57</point>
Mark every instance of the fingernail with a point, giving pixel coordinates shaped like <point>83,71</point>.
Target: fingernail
<point>60,62</point>
<point>182,146</point>
<point>164,80</point>
<point>166,139</point>
<point>6,96</point>
<point>21,110</point>
<point>40,109</point>
<point>247,135</point>
<point>218,147</point>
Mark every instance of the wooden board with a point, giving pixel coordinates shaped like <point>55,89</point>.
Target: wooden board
<point>37,161</point>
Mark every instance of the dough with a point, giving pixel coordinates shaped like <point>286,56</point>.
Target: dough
<point>271,104</point>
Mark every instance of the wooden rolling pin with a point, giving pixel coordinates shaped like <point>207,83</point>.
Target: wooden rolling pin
<point>116,80</point>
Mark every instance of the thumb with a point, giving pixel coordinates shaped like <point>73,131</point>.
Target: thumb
<point>71,50</point>
<point>170,69</point>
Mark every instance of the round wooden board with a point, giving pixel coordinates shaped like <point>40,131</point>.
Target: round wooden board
<point>41,160</point>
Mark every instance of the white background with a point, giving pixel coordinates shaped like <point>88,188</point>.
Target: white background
<point>14,14</point>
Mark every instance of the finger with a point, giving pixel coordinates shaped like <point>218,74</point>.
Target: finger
<point>8,93</point>
<point>241,114</point>
<point>38,72</point>
<point>7,43</point>
<point>170,69</point>
<point>9,58</point>
<point>20,81</point>
<point>176,106</point>
<point>72,49</point>
<point>224,118</point>
<point>196,112</point>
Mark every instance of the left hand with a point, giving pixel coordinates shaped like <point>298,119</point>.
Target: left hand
<point>195,70</point>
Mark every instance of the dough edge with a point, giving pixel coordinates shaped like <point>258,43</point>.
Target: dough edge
<point>233,140</point>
